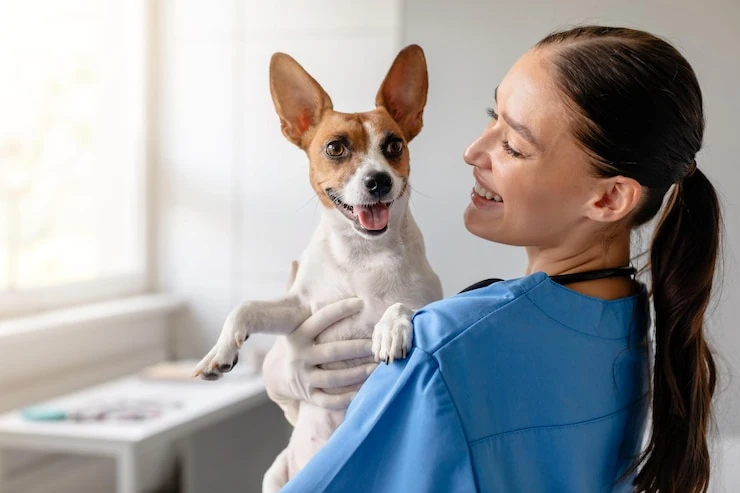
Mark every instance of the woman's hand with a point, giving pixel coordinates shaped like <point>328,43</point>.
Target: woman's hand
<point>292,370</point>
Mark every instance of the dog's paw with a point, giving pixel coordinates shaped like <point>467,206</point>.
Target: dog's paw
<point>218,361</point>
<point>223,357</point>
<point>393,335</point>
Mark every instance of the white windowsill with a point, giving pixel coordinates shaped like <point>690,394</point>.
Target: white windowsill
<point>86,345</point>
<point>27,302</point>
<point>116,310</point>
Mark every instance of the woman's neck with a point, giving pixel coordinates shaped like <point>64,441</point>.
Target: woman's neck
<point>603,255</point>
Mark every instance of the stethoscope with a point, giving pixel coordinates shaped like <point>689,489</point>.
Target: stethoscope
<point>563,279</point>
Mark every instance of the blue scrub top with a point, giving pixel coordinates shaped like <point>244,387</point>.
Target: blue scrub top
<point>521,386</point>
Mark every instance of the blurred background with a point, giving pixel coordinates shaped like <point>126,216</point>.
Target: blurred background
<point>146,188</point>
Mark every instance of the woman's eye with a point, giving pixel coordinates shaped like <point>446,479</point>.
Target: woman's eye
<point>335,149</point>
<point>492,113</point>
<point>510,150</point>
<point>394,148</point>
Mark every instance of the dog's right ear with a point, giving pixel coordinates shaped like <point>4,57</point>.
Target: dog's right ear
<point>299,100</point>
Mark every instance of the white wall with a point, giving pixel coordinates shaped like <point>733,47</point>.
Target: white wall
<point>470,45</point>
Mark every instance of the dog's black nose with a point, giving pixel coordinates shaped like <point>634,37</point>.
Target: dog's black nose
<point>378,184</point>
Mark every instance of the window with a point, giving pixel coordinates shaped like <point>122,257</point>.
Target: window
<point>72,152</point>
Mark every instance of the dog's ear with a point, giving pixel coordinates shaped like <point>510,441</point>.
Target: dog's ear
<point>299,100</point>
<point>404,90</point>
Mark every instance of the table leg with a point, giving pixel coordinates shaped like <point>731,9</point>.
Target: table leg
<point>185,450</point>
<point>2,471</point>
<point>127,471</point>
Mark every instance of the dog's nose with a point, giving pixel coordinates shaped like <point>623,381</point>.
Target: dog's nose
<point>379,183</point>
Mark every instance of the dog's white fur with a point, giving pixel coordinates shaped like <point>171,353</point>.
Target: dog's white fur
<point>389,272</point>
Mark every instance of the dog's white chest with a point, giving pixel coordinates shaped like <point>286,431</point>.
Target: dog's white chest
<point>378,282</point>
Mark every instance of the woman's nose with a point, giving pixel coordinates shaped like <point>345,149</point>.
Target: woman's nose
<point>477,153</point>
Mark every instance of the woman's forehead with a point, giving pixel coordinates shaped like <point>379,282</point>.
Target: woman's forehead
<point>530,80</point>
<point>528,94</point>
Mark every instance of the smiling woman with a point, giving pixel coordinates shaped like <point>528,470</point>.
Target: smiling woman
<point>71,152</point>
<point>530,385</point>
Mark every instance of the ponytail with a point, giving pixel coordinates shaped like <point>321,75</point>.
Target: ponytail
<point>683,257</point>
<point>637,110</point>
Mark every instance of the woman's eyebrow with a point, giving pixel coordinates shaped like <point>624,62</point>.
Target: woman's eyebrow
<point>520,128</point>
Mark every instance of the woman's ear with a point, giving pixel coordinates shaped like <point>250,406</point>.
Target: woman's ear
<point>615,198</point>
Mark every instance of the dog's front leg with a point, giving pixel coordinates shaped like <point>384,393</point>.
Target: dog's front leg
<point>280,316</point>
<point>394,333</point>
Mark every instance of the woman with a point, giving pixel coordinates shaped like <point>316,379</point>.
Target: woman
<point>542,383</point>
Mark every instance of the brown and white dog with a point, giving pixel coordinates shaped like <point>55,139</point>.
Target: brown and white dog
<point>366,245</point>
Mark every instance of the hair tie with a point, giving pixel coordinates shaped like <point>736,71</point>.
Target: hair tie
<point>692,169</point>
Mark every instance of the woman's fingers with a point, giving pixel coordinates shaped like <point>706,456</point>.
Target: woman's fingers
<point>335,402</point>
<point>344,377</point>
<point>329,352</point>
<point>327,316</point>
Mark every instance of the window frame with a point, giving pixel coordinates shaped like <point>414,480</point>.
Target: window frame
<point>19,303</point>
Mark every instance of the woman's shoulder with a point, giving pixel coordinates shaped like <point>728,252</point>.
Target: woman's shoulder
<point>441,321</point>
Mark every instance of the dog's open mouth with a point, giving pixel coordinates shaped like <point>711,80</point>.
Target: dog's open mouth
<point>367,218</point>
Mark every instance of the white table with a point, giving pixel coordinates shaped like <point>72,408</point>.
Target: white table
<point>202,404</point>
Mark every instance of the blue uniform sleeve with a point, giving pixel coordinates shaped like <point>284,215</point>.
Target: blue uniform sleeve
<point>401,433</point>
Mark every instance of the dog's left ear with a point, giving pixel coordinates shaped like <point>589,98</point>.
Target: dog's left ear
<point>404,90</point>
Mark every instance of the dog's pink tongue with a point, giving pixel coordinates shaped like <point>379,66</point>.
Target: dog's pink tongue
<point>374,217</point>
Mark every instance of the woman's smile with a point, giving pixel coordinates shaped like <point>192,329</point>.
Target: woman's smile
<point>484,197</point>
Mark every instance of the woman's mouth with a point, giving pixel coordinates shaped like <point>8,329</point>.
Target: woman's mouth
<point>482,192</point>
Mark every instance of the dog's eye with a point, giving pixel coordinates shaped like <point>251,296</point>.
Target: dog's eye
<point>335,149</point>
<point>394,148</point>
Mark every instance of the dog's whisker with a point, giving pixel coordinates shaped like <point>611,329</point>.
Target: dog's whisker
<point>310,199</point>
<point>418,192</point>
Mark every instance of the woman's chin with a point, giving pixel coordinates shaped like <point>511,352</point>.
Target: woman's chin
<point>489,228</point>
<point>477,225</point>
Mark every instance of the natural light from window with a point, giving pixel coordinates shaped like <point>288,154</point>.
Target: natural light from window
<point>71,142</point>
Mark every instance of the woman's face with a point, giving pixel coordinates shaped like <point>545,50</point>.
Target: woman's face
<point>534,178</point>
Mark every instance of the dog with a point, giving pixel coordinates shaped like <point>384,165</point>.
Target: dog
<point>367,243</point>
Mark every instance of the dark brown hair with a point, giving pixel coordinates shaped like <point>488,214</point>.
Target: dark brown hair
<point>637,111</point>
